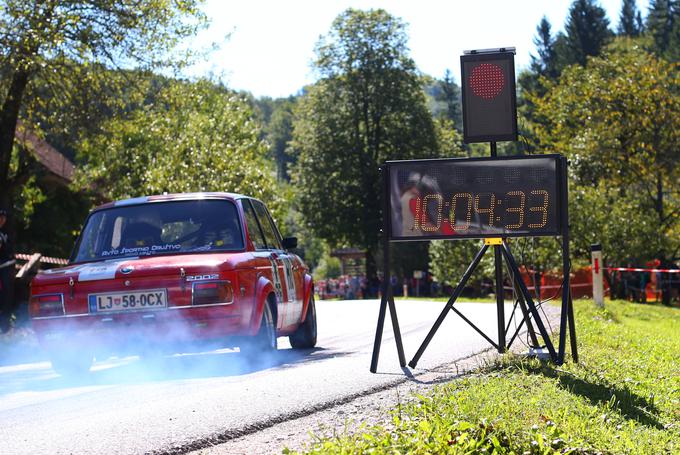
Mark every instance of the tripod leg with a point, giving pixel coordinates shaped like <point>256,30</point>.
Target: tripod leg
<point>378,332</point>
<point>572,331</point>
<point>456,293</point>
<point>500,297</point>
<point>522,306</point>
<point>530,303</point>
<point>530,326</point>
<point>397,332</point>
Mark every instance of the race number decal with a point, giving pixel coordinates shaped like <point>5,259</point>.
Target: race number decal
<point>276,279</point>
<point>290,279</point>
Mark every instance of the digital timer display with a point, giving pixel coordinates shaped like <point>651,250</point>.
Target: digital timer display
<point>476,197</point>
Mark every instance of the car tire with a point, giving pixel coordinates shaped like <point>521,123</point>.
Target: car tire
<point>71,364</point>
<point>305,335</point>
<point>265,339</point>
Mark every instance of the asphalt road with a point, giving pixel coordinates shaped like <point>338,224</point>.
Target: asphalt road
<point>183,401</point>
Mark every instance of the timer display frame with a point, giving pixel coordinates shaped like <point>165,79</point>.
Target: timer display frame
<point>468,198</point>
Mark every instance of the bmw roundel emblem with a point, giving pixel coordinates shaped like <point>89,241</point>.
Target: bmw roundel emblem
<point>127,269</point>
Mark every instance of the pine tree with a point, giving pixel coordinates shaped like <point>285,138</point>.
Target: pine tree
<point>630,21</point>
<point>546,62</point>
<point>663,24</point>
<point>587,31</point>
<point>451,96</point>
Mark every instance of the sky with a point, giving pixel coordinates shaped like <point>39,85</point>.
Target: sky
<point>270,44</point>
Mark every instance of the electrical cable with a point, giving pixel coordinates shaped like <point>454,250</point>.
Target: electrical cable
<point>515,298</point>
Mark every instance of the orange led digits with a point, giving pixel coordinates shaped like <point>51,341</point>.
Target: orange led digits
<point>468,212</point>
<point>416,220</point>
<point>541,208</point>
<point>519,210</point>
<point>489,210</point>
<point>440,206</point>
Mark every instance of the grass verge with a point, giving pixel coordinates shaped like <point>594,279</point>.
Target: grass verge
<point>623,397</point>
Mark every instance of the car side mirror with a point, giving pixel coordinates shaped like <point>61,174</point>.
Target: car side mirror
<point>289,243</point>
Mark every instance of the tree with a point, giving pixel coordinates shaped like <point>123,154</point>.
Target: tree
<point>587,31</point>
<point>279,134</point>
<point>630,20</point>
<point>663,25</point>
<point>59,40</point>
<point>193,137</point>
<point>367,108</point>
<point>543,66</point>
<point>546,62</point>
<point>618,121</point>
<point>450,95</point>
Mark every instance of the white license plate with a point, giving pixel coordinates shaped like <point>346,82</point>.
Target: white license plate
<point>150,299</point>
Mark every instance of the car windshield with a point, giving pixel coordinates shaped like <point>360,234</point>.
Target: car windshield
<point>160,228</point>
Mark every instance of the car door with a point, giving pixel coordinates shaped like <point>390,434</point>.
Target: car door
<point>282,269</point>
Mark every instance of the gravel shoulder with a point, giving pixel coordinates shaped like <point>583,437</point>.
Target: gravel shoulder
<point>370,409</point>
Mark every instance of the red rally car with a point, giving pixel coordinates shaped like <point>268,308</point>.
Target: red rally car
<point>163,273</point>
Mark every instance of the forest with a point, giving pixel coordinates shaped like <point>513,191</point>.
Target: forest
<point>100,83</point>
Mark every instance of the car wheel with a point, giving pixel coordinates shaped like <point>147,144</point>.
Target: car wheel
<point>265,339</point>
<point>71,364</point>
<point>305,335</point>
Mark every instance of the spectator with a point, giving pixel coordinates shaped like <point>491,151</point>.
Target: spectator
<point>364,287</point>
<point>6,268</point>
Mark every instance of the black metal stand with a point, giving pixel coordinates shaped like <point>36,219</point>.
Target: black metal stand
<point>387,299</point>
<point>527,306</point>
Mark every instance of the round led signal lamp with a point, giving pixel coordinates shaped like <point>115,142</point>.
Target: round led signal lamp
<point>487,80</point>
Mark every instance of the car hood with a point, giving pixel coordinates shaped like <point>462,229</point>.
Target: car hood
<point>136,267</point>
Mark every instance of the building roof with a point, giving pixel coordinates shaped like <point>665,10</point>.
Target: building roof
<point>48,156</point>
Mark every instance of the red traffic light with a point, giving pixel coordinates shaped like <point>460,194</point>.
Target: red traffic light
<point>489,99</point>
<point>487,80</point>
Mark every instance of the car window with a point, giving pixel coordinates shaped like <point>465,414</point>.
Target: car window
<point>271,235</point>
<point>253,227</point>
<point>160,228</point>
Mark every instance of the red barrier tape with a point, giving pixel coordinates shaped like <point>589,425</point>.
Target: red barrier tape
<point>45,259</point>
<point>552,286</point>
<point>628,269</point>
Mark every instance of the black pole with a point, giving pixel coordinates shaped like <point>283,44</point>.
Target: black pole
<point>381,323</point>
<point>500,292</point>
<point>500,297</point>
<point>566,316</point>
<point>462,316</point>
<point>565,297</point>
<point>395,328</point>
<point>449,305</point>
<point>572,331</point>
<point>512,316</point>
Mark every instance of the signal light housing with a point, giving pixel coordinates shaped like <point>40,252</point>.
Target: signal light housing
<point>46,306</point>
<point>212,293</point>
<point>488,95</point>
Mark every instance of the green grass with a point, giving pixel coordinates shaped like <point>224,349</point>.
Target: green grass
<point>623,397</point>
